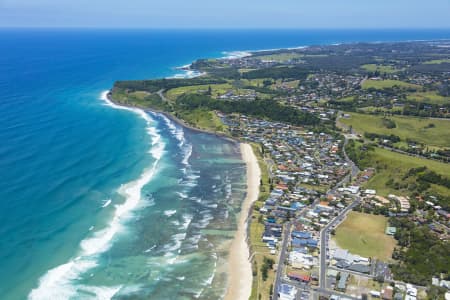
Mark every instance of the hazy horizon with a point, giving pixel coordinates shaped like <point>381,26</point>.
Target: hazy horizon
<point>201,14</point>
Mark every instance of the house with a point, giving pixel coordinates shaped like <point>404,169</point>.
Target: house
<point>286,292</point>
<point>299,277</point>
<point>370,192</point>
<point>360,268</point>
<point>342,284</point>
<point>391,230</point>
<point>387,293</point>
<point>375,294</point>
<point>411,291</point>
<point>352,189</point>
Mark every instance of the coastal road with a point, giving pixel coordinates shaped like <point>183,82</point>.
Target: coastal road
<point>281,260</point>
<point>324,233</point>
<point>161,95</point>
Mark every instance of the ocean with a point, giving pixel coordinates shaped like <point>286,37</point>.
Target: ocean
<point>101,202</point>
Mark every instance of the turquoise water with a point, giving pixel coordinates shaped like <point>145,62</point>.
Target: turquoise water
<point>101,202</point>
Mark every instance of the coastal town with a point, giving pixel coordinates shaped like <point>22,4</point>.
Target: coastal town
<point>354,155</point>
<point>225,150</point>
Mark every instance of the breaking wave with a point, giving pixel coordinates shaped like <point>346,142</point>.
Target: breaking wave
<point>60,282</point>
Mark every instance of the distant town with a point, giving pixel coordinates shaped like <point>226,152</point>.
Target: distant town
<point>353,143</point>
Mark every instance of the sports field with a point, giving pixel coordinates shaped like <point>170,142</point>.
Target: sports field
<point>363,234</point>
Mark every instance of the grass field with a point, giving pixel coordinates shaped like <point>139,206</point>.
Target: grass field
<point>203,119</point>
<point>429,97</point>
<point>369,109</point>
<point>363,234</point>
<point>380,68</point>
<point>347,99</point>
<point>437,61</point>
<point>172,94</point>
<point>381,84</point>
<point>406,127</point>
<point>392,165</point>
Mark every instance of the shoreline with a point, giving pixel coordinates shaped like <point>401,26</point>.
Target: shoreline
<point>174,119</point>
<point>240,278</point>
<point>239,269</point>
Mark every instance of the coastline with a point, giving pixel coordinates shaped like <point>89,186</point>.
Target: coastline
<point>172,118</point>
<point>240,278</point>
<point>239,266</point>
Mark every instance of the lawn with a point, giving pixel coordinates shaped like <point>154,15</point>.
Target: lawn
<point>429,97</point>
<point>382,84</point>
<point>363,234</point>
<point>417,129</point>
<point>380,68</point>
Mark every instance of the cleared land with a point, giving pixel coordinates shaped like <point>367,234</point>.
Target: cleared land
<point>393,166</point>
<point>437,61</point>
<point>215,89</point>
<point>382,84</point>
<point>380,68</point>
<point>428,97</point>
<point>413,128</point>
<point>363,234</point>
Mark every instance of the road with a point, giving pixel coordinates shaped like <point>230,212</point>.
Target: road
<point>326,292</point>
<point>316,291</point>
<point>355,169</point>
<point>281,260</point>
<point>324,239</point>
<point>161,95</point>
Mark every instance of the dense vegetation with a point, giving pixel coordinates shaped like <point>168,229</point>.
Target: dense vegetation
<point>269,109</point>
<point>266,266</point>
<point>155,85</point>
<point>278,73</point>
<point>420,254</point>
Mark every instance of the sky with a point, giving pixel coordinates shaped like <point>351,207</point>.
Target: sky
<point>226,13</point>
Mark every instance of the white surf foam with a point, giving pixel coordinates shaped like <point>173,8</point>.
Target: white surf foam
<point>170,212</point>
<point>178,132</point>
<point>150,249</point>
<point>106,203</point>
<point>182,195</point>
<point>188,74</point>
<point>236,54</point>
<point>59,282</point>
<point>100,292</point>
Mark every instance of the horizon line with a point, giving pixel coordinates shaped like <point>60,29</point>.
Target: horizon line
<point>222,28</point>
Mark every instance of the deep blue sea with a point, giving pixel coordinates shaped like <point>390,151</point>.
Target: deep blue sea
<point>98,202</point>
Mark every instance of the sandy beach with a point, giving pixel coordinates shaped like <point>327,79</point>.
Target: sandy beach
<point>240,271</point>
